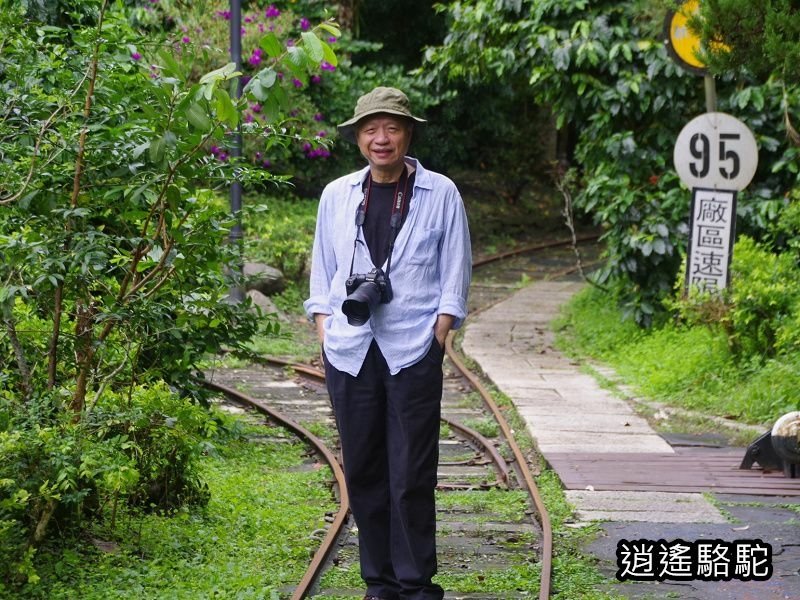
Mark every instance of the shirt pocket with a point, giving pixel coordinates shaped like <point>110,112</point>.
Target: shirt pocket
<point>424,249</point>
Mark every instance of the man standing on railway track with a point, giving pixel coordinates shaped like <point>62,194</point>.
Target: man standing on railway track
<point>390,273</point>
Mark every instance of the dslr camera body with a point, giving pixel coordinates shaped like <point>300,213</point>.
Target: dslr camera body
<point>364,293</point>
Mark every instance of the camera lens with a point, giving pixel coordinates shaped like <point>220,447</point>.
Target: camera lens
<point>359,304</point>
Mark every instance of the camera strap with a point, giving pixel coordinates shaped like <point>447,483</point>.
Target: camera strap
<point>395,219</point>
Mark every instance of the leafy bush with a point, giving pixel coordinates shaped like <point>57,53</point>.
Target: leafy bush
<point>765,301</point>
<point>163,435</point>
<point>280,233</point>
<point>141,447</point>
<point>759,312</point>
<point>115,265</point>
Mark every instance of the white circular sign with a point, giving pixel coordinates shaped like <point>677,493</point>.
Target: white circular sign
<point>716,151</point>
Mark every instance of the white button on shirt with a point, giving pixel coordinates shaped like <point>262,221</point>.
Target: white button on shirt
<point>430,273</point>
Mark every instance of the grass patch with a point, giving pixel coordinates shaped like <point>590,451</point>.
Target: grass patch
<point>690,367</point>
<point>508,505</point>
<point>252,538</point>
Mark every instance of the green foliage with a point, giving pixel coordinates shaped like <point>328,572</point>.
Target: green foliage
<point>760,37</point>
<point>251,539</point>
<point>280,233</point>
<point>141,447</point>
<point>686,364</point>
<point>115,263</point>
<point>603,71</point>
<point>164,435</point>
<point>765,301</point>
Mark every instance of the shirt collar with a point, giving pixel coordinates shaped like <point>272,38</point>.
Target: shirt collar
<point>422,176</point>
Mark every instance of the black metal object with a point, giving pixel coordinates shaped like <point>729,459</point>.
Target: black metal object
<point>236,293</point>
<point>762,451</point>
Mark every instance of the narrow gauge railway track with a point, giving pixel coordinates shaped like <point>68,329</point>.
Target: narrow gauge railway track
<point>468,459</point>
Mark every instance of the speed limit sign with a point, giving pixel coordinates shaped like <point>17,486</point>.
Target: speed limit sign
<point>716,151</point>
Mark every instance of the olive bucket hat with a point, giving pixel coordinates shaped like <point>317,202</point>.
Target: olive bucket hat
<point>387,100</point>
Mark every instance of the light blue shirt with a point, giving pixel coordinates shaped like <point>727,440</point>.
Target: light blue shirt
<point>430,273</point>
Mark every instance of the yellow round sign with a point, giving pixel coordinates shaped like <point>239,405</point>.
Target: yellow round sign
<point>682,43</point>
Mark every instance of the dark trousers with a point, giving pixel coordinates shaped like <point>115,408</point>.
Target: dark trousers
<point>389,431</point>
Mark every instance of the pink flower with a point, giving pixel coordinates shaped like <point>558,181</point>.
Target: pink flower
<point>136,56</point>
<point>297,83</point>
<point>331,40</point>
<point>316,79</point>
<point>271,12</point>
<point>225,14</point>
<point>326,66</point>
<point>186,39</point>
<point>305,24</point>
<point>318,117</point>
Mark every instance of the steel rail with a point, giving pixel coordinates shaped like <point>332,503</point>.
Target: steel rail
<point>334,531</point>
<point>522,464</point>
<point>466,432</point>
<point>532,248</point>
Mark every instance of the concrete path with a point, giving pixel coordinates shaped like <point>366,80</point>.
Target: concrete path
<point>565,409</point>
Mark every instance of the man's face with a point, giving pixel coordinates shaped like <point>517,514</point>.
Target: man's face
<point>383,140</point>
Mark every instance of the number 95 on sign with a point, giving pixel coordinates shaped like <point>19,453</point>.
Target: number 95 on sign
<point>716,151</point>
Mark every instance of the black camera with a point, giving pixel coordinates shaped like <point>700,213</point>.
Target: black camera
<point>364,292</point>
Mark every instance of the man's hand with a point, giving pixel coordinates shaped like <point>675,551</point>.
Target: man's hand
<point>443,325</point>
<point>319,321</point>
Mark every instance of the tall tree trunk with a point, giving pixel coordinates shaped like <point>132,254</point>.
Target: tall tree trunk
<point>84,354</point>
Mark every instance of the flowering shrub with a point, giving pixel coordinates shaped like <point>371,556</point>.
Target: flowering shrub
<point>114,266</point>
<point>284,128</point>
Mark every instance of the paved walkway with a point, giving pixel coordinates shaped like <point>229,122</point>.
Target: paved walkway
<point>565,409</point>
<point>567,412</point>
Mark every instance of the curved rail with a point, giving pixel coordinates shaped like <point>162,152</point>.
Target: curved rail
<point>499,461</point>
<point>532,248</point>
<point>466,432</point>
<point>302,590</point>
<point>522,464</point>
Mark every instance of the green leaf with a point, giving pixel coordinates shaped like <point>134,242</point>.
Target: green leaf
<point>196,115</point>
<point>270,44</point>
<point>328,54</point>
<point>170,66</point>
<point>330,28</point>
<point>298,59</point>
<point>225,72</point>
<point>226,110</point>
<point>157,149</point>
<point>313,46</point>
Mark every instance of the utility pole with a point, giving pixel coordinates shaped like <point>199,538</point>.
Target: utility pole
<point>236,293</point>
